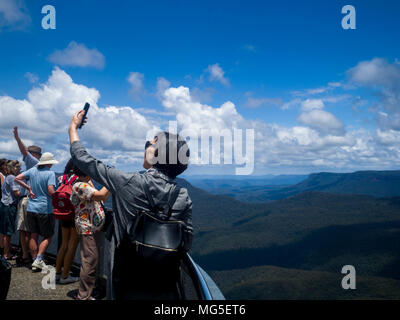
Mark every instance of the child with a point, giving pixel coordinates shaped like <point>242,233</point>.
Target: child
<point>89,218</point>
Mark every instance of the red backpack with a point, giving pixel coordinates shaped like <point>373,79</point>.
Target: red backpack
<point>63,208</point>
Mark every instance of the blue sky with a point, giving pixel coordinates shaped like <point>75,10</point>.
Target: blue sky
<point>292,73</point>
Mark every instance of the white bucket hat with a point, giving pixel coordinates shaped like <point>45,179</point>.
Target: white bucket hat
<point>47,158</point>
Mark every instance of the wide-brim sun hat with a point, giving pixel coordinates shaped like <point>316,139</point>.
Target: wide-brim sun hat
<point>47,158</point>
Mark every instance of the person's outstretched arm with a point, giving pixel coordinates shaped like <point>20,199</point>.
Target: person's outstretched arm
<point>22,148</point>
<point>109,177</point>
<point>20,179</point>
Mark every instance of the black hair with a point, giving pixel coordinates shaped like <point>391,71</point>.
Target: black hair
<point>3,162</point>
<point>69,167</point>
<point>78,172</point>
<point>170,144</point>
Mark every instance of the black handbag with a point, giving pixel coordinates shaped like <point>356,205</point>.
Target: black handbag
<point>156,237</point>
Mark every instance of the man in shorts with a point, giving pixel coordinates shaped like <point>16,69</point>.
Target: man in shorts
<point>31,156</point>
<point>40,210</point>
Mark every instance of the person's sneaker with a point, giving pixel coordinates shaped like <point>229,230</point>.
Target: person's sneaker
<point>38,265</point>
<point>58,277</point>
<point>68,280</point>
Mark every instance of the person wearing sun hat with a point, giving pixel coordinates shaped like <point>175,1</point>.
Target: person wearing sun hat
<point>31,156</point>
<point>40,210</point>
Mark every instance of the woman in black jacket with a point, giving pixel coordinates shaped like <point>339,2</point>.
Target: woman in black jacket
<point>131,276</point>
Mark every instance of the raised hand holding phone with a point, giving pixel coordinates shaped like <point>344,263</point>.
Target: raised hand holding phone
<point>86,109</point>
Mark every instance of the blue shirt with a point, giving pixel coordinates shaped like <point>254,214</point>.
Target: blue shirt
<point>39,180</point>
<point>30,162</point>
<point>7,190</point>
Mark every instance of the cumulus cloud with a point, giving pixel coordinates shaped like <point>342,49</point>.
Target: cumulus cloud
<point>203,95</point>
<point>384,78</point>
<point>312,104</point>
<point>136,81</point>
<point>194,115</point>
<point>321,144</point>
<point>13,15</point>
<point>78,55</point>
<point>322,121</point>
<point>376,72</point>
<point>43,117</point>
<point>200,122</point>
<point>116,134</point>
<point>216,73</point>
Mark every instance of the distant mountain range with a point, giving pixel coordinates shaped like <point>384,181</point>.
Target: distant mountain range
<point>319,225</point>
<point>373,183</point>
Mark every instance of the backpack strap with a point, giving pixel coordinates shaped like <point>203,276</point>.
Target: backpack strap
<point>173,195</point>
<point>69,181</point>
<point>73,178</point>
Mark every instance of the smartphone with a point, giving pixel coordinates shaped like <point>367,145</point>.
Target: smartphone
<point>86,108</point>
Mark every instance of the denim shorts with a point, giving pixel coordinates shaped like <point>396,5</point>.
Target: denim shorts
<point>8,215</point>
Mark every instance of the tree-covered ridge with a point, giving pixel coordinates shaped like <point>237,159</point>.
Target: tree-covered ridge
<point>294,248</point>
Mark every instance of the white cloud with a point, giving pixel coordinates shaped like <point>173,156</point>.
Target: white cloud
<point>78,55</point>
<point>216,73</point>
<point>322,121</point>
<point>44,117</point>
<point>162,85</point>
<point>203,95</point>
<point>317,91</point>
<point>379,74</point>
<point>116,134</point>
<point>32,78</point>
<point>389,137</point>
<point>193,115</point>
<point>312,104</point>
<point>375,72</point>
<point>321,144</point>
<point>13,15</point>
<point>292,103</point>
<point>136,81</point>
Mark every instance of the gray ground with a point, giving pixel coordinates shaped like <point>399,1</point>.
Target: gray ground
<point>26,285</point>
